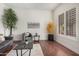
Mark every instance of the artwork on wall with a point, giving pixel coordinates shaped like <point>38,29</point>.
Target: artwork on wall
<point>33,25</point>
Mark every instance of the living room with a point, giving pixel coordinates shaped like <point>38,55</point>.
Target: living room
<point>49,22</point>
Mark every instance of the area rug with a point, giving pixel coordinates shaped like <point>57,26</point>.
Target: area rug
<point>36,51</point>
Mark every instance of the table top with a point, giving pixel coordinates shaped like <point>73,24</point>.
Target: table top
<point>23,45</point>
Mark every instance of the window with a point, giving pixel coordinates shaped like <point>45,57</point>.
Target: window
<point>61,24</point>
<point>71,22</point>
<point>68,22</point>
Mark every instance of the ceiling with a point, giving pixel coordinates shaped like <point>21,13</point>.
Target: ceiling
<point>42,6</point>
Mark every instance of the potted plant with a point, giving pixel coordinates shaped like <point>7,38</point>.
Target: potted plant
<point>51,31</point>
<point>9,20</point>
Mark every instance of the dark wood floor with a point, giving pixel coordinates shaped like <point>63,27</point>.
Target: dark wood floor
<point>50,48</point>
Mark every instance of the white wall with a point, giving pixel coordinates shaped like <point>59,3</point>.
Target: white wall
<point>25,16</point>
<point>70,42</point>
<point>28,15</point>
<point>1,25</point>
<point>3,31</point>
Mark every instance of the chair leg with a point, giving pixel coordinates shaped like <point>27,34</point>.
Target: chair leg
<point>30,52</point>
<point>17,52</point>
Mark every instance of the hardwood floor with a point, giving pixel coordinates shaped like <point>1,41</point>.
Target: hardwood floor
<point>50,48</point>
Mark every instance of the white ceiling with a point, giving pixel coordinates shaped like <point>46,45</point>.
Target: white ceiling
<point>42,6</point>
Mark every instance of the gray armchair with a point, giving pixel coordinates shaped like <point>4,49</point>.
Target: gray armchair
<point>28,39</point>
<point>26,43</point>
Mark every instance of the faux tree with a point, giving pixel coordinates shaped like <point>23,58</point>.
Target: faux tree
<point>51,31</point>
<point>9,19</point>
<point>51,28</point>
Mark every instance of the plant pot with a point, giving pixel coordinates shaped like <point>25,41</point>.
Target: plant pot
<point>50,37</point>
<point>8,38</point>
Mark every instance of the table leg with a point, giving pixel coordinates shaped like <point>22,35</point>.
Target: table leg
<point>34,39</point>
<point>39,38</point>
<point>17,52</point>
<point>30,52</point>
<point>21,52</point>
